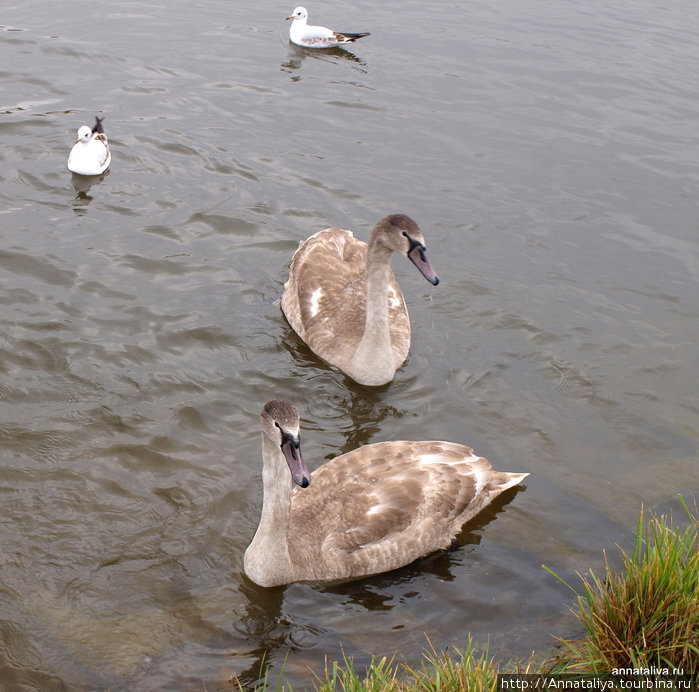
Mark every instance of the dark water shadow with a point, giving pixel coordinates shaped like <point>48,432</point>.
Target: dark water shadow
<point>367,411</point>
<point>269,633</point>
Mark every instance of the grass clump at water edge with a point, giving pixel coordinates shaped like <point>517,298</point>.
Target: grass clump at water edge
<point>437,673</point>
<point>645,616</point>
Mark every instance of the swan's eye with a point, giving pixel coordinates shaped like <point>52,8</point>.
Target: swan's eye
<point>405,234</point>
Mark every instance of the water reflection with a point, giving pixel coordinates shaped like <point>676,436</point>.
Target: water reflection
<point>82,185</point>
<point>365,412</point>
<point>297,54</point>
<point>270,630</point>
<point>359,411</point>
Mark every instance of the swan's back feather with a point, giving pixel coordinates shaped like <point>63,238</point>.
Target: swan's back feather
<point>384,505</point>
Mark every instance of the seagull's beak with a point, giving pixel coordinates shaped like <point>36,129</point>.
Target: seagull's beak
<point>291,16</point>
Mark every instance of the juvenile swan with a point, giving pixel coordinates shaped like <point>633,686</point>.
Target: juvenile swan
<point>90,153</point>
<point>371,510</point>
<point>343,300</point>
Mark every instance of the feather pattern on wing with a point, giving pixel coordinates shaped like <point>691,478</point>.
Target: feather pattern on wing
<point>384,505</point>
<point>325,298</point>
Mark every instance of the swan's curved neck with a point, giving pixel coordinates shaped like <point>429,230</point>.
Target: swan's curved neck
<point>377,270</point>
<point>374,352</point>
<point>267,557</point>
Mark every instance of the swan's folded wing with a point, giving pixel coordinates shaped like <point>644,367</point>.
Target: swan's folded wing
<point>324,297</point>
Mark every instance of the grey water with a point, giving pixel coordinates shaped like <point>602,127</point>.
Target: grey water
<point>549,152</point>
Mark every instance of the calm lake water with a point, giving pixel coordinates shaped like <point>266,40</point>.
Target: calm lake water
<point>549,152</point>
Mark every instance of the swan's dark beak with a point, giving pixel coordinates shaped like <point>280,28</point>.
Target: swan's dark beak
<point>418,257</point>
<point>291,448</point>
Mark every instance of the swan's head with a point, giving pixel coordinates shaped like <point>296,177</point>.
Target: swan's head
<point>401,234</point>
<point>280,423</point>
<point>299,13</point>
<point>84,133</point>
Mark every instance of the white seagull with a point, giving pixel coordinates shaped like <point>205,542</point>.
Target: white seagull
<point>302,34</point>
<point>90,154</point>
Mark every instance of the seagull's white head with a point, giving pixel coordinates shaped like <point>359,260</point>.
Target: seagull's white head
<point>299,13</point>
<point>84,133</point>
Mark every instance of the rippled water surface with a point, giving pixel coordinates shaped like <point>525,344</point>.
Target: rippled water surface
<point>549,152</point>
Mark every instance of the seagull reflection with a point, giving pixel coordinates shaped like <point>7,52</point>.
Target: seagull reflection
<point>82,185</point>
<point>297,54</point>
